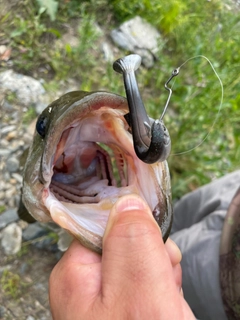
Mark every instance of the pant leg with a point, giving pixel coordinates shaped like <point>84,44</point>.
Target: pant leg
<point>197,227</point>
<point>196,205</point>
<point>199,245</point>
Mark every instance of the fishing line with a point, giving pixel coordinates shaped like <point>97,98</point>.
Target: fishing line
<point>220,105</point>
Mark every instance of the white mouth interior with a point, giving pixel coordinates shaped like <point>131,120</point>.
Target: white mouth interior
<point>93,166</point>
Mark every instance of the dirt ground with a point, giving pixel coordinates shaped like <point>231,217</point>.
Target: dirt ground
<point>24,284</point>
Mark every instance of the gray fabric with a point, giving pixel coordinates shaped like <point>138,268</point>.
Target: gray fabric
<point>197,226</point>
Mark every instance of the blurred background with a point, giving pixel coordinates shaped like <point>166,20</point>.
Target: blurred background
<point>70,45</point>
<point>60,41</point>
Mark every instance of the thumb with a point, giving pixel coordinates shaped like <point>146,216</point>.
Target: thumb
<point>129,208</point>
<point>133,248</point>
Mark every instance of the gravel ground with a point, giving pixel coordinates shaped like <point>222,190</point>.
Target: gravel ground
<point>23,275</point>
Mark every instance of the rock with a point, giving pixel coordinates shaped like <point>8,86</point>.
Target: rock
<point>22,224</point>
<point>45,241</point>
<point>12,164</point>
<point>12,135</point>
<point>8,217</point>
<point>5,268</point>
<point>24,268</point>
<point>107,52</point>
<point>7,106</point>
<point>138,36</point>
<point>30,318</point>
<point>5,53</point>
<point>4,152</point>
<point>9,194</point>
<point>26,88</point>
<point>34,231</point>
<point>7,129</point>
<point>11,239</point>
<point>64,240</point>
<point>3,48</point>
<point>48,243</point>
<point>17,177</point>
<point>41,106</point>
<point>2,312</point>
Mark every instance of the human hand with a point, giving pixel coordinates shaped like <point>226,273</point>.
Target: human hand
<point>137,276</point>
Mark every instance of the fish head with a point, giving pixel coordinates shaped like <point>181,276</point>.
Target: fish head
<point>82,160</point>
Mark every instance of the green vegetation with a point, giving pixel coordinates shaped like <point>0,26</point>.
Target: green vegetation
<point>2,209</point>
<point>12,284</point>
<point>29,115</point>
<point>36,31</point>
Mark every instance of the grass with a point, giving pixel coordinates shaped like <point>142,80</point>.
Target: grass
<point>2,208</point>
<point>12,284</point>
<point>35,31</point>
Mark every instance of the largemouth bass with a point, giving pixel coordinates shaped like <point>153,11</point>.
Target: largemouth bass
<point>82,160</point>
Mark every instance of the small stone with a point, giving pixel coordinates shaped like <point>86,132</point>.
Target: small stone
<point>7,106</point>
<point>7,129</point>
<point>12,164</point>
<point>11,239</point>
<point>40,107</point>
<point>4,152</point>
<point>26,88</point>
<point>33,231</point>
<point>11,202</point>
<point>8,217</point>
<point>4,143</point>
<point>40,234</point>
<point>10,192</point>
<point>2,312</point>
<point>107,52</point>
<point>30,318</point>
<point>17,177</point>
<point>3,48</point>
<point>12,135</point>
<point>24,268</point>
<point>64,240</point>
<point>7,185</point>
<point>138,36</point>
<point>16,199</point>
<point>5,55</point>
<point>22,224</point>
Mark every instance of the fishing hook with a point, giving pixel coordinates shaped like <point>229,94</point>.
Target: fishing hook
<point>151,139</point>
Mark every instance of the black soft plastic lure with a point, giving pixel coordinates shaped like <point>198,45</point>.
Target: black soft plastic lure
<point>151,139</point>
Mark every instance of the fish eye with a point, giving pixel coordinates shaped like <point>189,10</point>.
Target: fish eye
<point>41,125</point>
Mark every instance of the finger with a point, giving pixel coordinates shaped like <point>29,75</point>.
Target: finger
<point>173,251</point>
<point>177,273</point>
<point>78,268</point>
<point>133,249</point>
<point>80,255</point>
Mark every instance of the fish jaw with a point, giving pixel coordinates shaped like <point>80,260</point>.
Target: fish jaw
<point>77,187</point>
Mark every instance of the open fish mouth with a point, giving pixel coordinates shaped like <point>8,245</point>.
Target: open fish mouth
<point>85,162</point>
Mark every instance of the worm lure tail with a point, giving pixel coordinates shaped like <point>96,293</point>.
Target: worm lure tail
<point>151,139</point>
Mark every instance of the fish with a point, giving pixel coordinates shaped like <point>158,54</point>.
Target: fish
<point>82,160</point>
